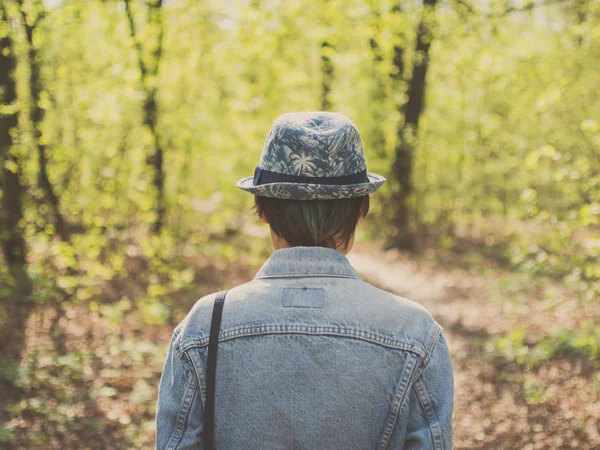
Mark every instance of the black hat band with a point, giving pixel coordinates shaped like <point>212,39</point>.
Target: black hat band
<point>262,176</point>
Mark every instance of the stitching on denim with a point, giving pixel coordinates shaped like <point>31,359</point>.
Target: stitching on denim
<point>257,330</point>
<point>199,370</point>
<point>433,340</point>
<point>434,425</point>
<point>176,339</point>
<point>188,397</point>
<point>308,275</point>
<point>399,397</point>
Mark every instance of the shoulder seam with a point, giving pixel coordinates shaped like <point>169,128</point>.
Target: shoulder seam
<point>434,338</point>
<point>411,345</point>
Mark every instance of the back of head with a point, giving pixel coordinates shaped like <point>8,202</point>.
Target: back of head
<point>319,223</point>
<point>311,183</point>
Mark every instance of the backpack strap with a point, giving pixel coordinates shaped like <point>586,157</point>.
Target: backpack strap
<point>211,370</point>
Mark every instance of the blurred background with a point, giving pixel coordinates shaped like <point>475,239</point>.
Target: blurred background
<point>124,126</point>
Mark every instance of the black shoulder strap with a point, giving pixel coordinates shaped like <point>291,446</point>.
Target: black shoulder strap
<point>211,371</point>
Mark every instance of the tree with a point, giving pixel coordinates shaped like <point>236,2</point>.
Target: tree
<point>402,170</point>
<point>36,115</point>
<point>148,78</point>
<point>327,70</point>
<point>13,243</point>
<point>378,98</point>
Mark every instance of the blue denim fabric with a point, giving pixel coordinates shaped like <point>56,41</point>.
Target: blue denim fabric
<point>310,357</point>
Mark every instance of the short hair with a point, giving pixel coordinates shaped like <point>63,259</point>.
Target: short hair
<point>315,223</point>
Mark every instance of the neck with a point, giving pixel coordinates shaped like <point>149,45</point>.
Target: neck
<point>279,242</point>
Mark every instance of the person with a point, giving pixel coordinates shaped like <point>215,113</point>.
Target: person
<point>310,355</point>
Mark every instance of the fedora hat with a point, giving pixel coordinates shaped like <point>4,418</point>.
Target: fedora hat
<point>312,156</point>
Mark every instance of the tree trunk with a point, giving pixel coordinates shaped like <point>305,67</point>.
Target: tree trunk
<point>148,76</point>
<point>18,308</point>
<point>378,98</point>
<point>13,243</point>
<point>399,42</point>
<point>327,70</point>
<point>404,237</point>
<point>37,117</point>
<point>156,160</point>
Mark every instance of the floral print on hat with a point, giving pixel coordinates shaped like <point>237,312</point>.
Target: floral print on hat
<point>313,144</point>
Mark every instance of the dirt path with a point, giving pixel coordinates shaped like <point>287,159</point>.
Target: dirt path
<point>493,407</point>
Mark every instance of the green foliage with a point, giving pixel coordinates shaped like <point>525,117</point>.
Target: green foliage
<point>583,342</point>
<point>536,393</point>
<point>512,346</point>
<point>6,435</point>
<point>3,315</point>
<point>508,146</point>
<point>9,370</point>
<point>63,392</point>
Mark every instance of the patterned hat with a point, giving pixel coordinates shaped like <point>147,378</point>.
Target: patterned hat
<point>312,156</point>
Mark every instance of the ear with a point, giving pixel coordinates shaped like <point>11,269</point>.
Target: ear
<point>263,219</point>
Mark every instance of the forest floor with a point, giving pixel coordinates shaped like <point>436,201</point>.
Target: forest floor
<point>503,400</point>
<point>88,377</point>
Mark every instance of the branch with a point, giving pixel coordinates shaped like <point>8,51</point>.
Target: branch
<point>527,7</point>
<point>507,11</point>
<point>138,46</point>
<point>159,48</point>
<point>468,6</point>
<point>41,15</point>
<point>28,28</point>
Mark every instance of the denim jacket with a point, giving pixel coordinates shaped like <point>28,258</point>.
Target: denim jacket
<point>310,357</point>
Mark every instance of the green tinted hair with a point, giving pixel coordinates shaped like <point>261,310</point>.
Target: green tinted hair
<point>315,223</point>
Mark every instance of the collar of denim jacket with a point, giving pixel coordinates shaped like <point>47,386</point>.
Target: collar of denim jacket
<point>307,262</point>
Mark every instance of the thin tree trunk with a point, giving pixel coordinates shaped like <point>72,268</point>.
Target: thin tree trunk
<point>13,243</point>
<point>327,73</point>
<point>581,14</point>
<point>406,138</point>
<point>399,43</point>
<point>378,141</point>
<point>149,72</point>
<point>327,69</point>
<point>37,117</point>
